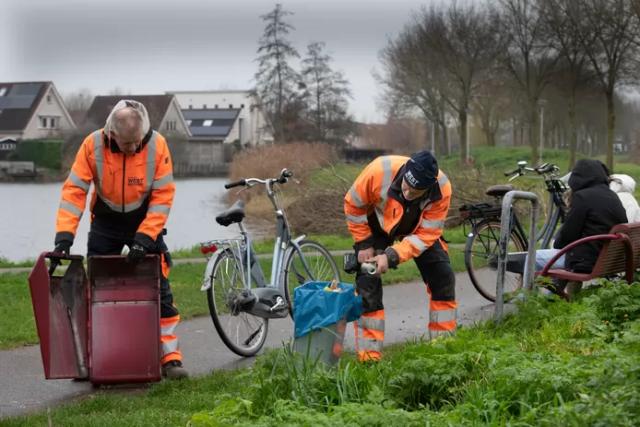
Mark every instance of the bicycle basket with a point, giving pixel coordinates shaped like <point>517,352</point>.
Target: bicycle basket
<point>480,210</point>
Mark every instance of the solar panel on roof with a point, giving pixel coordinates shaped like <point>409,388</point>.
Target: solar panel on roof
<point>25,89</point>
<point>210,114</point>
<point>16,102</point>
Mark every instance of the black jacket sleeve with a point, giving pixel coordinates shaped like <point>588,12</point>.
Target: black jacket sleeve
<point>571,229</point>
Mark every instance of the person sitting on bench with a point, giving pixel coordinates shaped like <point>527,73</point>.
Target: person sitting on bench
<point>594,209</point>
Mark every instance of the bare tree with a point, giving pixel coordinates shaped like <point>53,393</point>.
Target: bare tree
<point>466,42</point>
<point>609,32</point>
<point>573,73</point>
<point>529,58</point>
<point>491,103</point>
<point>412,81</point>
<point>276,80</point>
<point>327,92</point>
<point>77,104</point>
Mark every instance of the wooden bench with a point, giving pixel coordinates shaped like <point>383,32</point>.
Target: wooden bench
<point>620,253</point>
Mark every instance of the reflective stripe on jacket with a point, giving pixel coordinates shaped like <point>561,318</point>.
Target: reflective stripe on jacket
<point>370,194</point>
<point>125,187</point>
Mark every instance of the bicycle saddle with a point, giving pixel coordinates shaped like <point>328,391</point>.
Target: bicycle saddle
<point>234,214</point>
<point>498,190</point>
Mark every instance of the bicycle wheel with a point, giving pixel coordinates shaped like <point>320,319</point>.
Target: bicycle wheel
<point>481,258</point>
<point>320,263</point>
<point>242,332</point>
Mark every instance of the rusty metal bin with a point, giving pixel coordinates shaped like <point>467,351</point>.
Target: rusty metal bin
<point>62,353</point>
<point>104,327</point>
<point>124,337</point>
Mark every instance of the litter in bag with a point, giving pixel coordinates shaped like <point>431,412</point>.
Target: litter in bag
<point>320,304</point>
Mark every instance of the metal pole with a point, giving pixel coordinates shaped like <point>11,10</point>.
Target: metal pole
<point>505,231</point>
<point>541,130</point>
<point>467,155</point>
<point>433,137</point>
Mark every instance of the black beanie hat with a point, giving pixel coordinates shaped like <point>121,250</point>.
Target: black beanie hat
<point>421,170</point>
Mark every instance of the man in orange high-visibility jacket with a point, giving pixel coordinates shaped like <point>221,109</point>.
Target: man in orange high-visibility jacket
<point>130,167</point>
<point>396,198</point>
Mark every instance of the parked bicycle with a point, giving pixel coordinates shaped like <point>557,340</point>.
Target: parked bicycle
<point>241,301</point>
<point>481,248</point>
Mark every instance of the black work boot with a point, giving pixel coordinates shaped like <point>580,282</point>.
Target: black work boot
<point>174,370</point>
<point>558,287</point>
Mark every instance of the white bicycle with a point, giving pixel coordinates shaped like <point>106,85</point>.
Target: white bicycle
<point>241,301</point>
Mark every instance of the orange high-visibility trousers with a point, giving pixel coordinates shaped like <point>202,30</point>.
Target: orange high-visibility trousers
<point>369,334</point>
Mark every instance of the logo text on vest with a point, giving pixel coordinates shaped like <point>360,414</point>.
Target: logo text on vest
<point>133,180</point>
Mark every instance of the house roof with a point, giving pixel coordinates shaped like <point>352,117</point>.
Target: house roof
<point>213,123</point>
<point>157,106</point>
<point>18,102</point>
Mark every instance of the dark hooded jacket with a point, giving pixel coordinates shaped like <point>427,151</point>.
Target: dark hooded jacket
<point>594,210</point>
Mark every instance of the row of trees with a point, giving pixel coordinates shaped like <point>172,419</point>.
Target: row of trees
<point>306,104</point>
<point>502,62</point>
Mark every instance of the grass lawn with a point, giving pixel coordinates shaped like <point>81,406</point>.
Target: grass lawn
<point>552,363</point>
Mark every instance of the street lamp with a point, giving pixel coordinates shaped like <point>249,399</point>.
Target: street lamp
<point>541,103</point>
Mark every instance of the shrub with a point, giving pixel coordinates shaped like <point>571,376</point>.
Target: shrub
<point>267,161</point>
<point>46,154</point>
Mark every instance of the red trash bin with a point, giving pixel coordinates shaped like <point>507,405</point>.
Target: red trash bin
<point>104,327</point>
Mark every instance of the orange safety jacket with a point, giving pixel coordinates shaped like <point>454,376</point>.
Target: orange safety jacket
<point>132,194</point>
<point>369,195</point>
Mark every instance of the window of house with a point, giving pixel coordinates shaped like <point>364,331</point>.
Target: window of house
<point>230,106</point>
<point>3,91</point>
<point>48,99</point>
<point>241,105</point>
<point>48,122</point>
<point>170,125</point>
<point>216,106</point>
<point>207,123</point>
<point>190,107</point>
<point>204,106</point>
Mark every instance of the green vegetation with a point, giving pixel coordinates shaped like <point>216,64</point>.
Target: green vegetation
<point>47,154</point>
<point>553,363</point>
<point>17,325</point>
<point>5,263</point>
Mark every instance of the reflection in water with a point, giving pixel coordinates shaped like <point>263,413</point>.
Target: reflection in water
<point>27,220</point>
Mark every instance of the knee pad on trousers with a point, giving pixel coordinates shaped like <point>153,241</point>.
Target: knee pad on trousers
<point>370,288</point>
<point>444,289</point>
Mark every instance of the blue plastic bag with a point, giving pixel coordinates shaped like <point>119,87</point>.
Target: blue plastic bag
<point>315,308</point>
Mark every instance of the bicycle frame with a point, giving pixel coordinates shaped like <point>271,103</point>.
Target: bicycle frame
<point>555,213</point>
<point>283,244</point>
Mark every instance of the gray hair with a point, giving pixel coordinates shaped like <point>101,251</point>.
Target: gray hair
<point>117,122</point>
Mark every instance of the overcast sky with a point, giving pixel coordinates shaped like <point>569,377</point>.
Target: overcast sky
<point>152,46</point>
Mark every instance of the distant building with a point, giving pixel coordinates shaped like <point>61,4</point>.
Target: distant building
<point>7,146</point>
<point>164,113</point>
<point>32,110</point>
<point>192,154</point>
<point>224,116</point>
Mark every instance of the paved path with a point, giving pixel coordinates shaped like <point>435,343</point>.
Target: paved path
<point>24,389</point>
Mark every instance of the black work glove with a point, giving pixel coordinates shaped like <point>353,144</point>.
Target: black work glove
<point>63,247</point>
<point>136,252</point>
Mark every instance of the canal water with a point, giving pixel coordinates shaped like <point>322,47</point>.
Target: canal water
<point>28,215</point>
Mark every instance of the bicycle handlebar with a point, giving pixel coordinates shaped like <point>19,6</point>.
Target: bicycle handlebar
<point>542,169</point>
<point>235,184</point>
<point>285,174</point>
